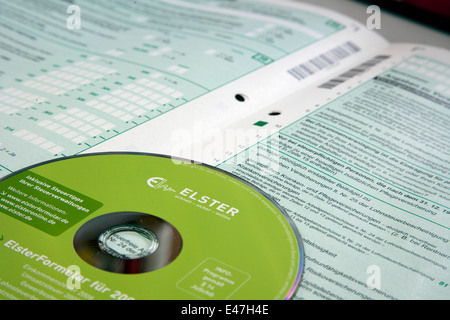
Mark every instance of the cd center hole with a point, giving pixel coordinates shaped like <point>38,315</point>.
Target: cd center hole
<point>129,242</point>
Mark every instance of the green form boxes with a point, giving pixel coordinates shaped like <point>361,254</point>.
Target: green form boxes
<point>262,58</point>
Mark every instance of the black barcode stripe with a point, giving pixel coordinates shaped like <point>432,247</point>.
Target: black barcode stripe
<point>363,67</point>
<point>323,60</point>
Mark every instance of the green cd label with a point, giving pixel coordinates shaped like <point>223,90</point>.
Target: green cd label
<point>43,203</point>
<point>141,226</point>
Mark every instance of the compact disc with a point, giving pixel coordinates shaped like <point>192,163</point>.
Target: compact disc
<point>143,226</point>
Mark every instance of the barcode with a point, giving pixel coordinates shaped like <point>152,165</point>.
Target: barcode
<point>353,72</point>
<point>324,60</point>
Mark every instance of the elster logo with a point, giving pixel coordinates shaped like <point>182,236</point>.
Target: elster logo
<point>155,181</point>
<point>193,197</point>
<point>159,183</point>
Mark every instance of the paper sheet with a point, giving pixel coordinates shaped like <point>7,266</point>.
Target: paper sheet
<point>365,178</point>
<point>65,90</point>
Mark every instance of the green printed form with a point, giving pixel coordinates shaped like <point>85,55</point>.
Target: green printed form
<point>366,179</point>
<point>64,90</point>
